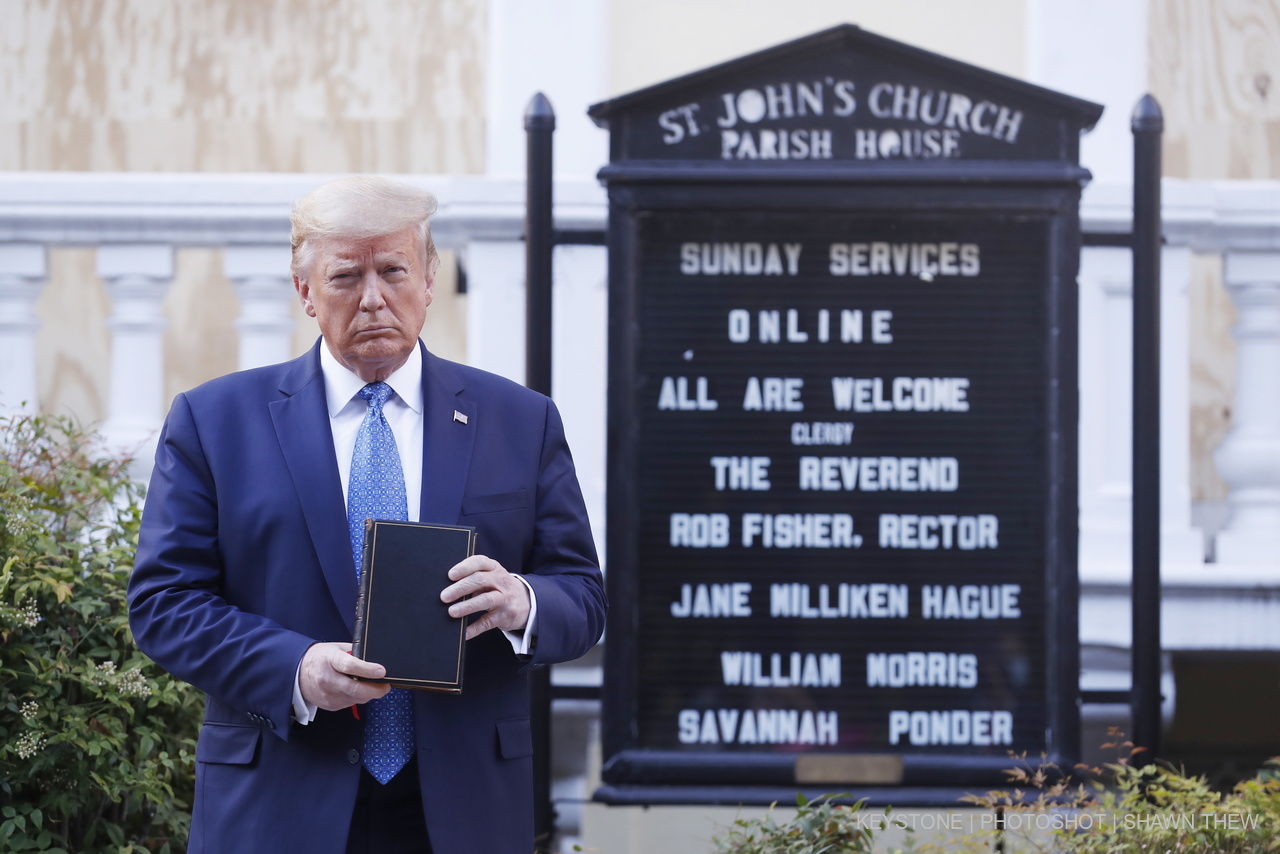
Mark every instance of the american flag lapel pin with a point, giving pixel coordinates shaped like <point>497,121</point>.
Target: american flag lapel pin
<point>459,417</point>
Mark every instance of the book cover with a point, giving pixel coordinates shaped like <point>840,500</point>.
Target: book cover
<point>400,621</point>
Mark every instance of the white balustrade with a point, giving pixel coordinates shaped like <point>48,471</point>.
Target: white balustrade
<point>1249,457</point>
<point>137,221</point>
<point>137,277</point>
<point>22,273</point>
<point>261,278</point>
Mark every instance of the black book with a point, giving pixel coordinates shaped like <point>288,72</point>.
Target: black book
<point>400,621</point>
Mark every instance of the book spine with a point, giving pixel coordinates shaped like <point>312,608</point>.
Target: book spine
<point>362,597</point>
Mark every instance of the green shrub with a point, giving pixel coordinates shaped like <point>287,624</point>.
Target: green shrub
<point>1124,808</point>
<point>97,742</point>
<point>820,826</point>
<point>1134,808</point>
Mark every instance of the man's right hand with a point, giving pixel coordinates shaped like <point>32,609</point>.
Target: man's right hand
<point>328,680</point>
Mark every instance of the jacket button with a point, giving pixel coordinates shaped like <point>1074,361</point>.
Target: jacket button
<point>353,756</point>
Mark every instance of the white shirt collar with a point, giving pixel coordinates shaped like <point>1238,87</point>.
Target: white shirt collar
<point>341,383</point>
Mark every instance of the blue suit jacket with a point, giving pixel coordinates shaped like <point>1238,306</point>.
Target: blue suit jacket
<point>244,561</point>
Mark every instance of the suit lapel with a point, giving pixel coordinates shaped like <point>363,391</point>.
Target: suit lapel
<point>301,421</point>
<point>447,440</point>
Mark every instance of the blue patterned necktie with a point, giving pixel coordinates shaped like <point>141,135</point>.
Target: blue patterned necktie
<point>376,491</point>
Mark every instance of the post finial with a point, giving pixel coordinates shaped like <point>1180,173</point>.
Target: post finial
<point>539,115</point>
<point>1147,116</point>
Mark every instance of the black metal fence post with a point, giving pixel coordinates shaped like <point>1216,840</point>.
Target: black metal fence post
<point>539,125</point>
<point>1148,128</point>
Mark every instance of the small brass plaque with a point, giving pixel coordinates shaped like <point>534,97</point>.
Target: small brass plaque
<point>866,769</point>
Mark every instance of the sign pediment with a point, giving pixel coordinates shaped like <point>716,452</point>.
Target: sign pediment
<point>845,95</point>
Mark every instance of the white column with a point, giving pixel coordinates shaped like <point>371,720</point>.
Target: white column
<point>22,273</point>
<point>1106,414</point>
<point>1180,542</point>
<point>1106,407</point>
<point>137,277</point>
<point>1068,51</point>
<point>1249,457</point>
<point>579,367</point>
<point>262,281</point>
<point>495,306</point>
<point>559,48</point>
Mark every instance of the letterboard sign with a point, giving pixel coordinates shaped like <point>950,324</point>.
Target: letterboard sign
<point>842,404</point>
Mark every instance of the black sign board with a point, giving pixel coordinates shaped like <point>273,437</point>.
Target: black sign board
<point>842,405</point>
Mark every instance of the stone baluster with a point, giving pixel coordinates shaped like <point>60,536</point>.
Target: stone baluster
<point>1249,457</point>
<point>265,288</point>
<point>137,277</point>
<point>22,274</point>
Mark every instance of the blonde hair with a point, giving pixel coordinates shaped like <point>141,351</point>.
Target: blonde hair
<point>358,207</point>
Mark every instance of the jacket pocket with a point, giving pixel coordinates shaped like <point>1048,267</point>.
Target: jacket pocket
<point>515,738</point>
<point>224,744</point>
<point>497,502</point>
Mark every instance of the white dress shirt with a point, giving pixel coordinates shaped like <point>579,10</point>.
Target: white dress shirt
<point>403,411</point>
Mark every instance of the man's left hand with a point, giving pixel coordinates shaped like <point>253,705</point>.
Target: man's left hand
<point>501,600</point>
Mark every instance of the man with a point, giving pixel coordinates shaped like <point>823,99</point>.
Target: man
<point>245,582</point>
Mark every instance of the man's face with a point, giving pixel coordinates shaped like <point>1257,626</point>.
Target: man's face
<point>370,296</point>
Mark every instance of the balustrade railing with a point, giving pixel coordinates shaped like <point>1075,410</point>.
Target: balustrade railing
<point>136,222</point>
